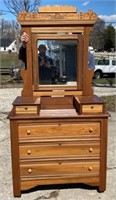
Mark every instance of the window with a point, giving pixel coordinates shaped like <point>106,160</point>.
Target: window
<point>106,62</point>
<point>103,62</point>
<point>100,62</point>
<point>113,62</point>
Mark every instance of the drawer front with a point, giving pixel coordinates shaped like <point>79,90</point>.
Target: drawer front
<point>55,169</point>
<point>92,108</point>
<point>26,109</point>
<point>59,130</point>
<point>58,150</point>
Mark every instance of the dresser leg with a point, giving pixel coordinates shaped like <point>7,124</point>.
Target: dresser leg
<point>15,159</point>
<point>16,189</point>
<point>102,188</point>
<point>17,193</point>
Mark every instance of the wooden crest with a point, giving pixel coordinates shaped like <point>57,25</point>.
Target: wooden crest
<point>51,13</point>
<point>57,8</point>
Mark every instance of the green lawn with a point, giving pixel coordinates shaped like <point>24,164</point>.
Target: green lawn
<point>110,102</point>
<point>9,59</point>
<point>105,80</point>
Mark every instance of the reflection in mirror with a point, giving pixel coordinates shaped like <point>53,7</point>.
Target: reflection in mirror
<point>57,61</point>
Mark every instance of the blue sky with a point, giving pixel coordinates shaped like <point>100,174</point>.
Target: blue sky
<point>106,9</point>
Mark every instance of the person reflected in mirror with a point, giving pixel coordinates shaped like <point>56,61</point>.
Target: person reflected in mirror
<point>91,60</point>
<point>46,66</point>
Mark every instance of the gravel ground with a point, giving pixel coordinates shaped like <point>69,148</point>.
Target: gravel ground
<point>7,96</point>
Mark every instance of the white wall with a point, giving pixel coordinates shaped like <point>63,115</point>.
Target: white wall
<point>11,47</point>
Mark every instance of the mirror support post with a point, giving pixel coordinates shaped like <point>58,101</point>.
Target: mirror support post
<point>88,74</point>
<point>27,74</point>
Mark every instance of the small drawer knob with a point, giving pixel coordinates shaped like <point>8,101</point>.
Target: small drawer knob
<point>92,107</point>
<point>90,168</point>
<point>90,130</point>
<point>26,108</point>
<point>29,152</point>
<point>29,170</point>
<point>90,150</point>
<point>28,132</point>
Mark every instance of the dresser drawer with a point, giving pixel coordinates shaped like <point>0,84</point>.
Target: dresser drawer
<point>59,130</point>
<point>59,150</point>
<point>26,110</point>
<point>92,108</point>
<point>58,169</point>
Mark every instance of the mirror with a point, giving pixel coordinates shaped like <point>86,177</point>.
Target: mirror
<point>57,62</point>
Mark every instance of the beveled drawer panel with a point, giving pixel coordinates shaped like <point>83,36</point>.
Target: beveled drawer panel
<point>92,108</point>
<point>61,168</point>
<point>59,130</point>
<point>26,109</point>
<point>58,150</point>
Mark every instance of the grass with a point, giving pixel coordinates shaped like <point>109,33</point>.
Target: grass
<point>110,102</point>
<point>9,59</point>
<point>4,78</point>
<point>105,80</point>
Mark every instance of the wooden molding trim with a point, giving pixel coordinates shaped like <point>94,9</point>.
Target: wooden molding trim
<point>57,8</point>
<point>89,17</point>
<point>56,93</point>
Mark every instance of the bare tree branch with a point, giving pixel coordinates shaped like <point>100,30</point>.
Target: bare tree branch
<point>16,6</point>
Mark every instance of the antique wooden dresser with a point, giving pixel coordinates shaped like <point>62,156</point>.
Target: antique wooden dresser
<point>58,130</point>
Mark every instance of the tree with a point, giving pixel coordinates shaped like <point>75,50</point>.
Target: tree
<point>6,28</point>
<point>8,32</point>
<point>109,37</point>
<point>97,35</point>
<point>16,6</point>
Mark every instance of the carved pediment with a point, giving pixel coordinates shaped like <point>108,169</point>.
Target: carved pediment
<point>52,13</point>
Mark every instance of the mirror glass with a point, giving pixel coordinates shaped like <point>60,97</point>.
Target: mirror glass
<point>57,62</point>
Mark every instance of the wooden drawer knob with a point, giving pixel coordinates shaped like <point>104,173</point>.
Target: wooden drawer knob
<point>26,108</point>
<point>28,132</point>
<point>29,170</point>
<point>90,130</point>
<point>92,107</point>
<point>90,168</point>
<point>90,150</point>
<point>29,152</point>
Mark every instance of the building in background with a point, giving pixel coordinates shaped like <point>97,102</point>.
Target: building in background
<point>11,48</point>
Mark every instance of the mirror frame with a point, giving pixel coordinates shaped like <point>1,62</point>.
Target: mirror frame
<point>49,22</point>
<point>67,36</point>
